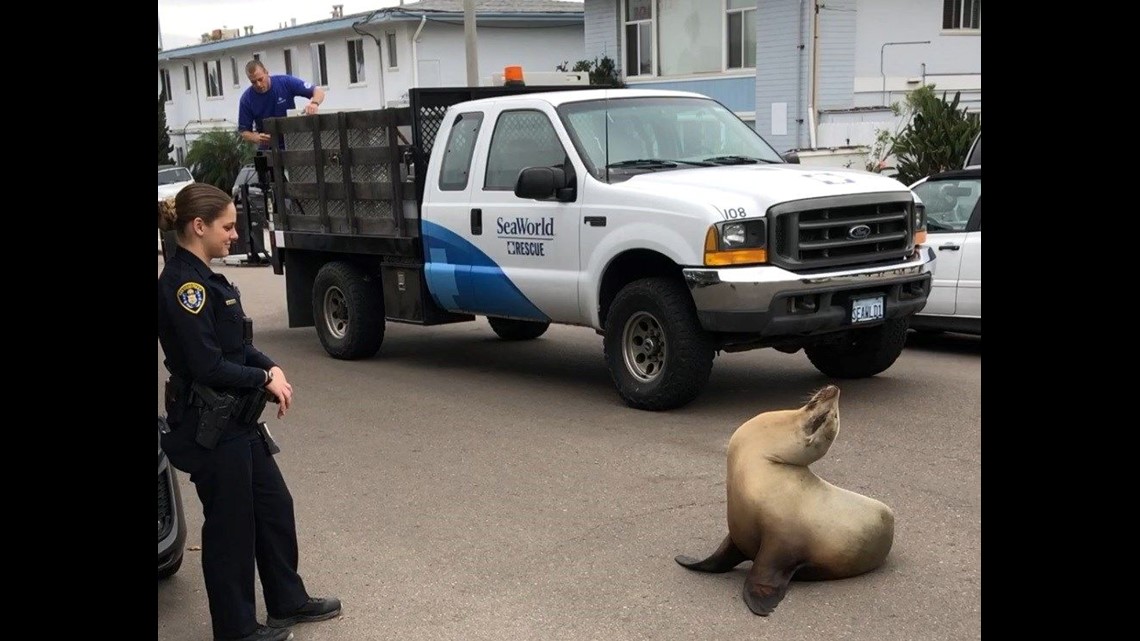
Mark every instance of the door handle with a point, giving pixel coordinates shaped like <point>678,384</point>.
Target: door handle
<point>476,222</point>
<point>594,221</point>
<point>949,246</point>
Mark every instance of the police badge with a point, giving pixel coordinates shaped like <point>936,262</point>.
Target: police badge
<point>192,297</point>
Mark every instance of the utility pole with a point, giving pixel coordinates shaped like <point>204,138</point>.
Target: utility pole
<point>472,47</point>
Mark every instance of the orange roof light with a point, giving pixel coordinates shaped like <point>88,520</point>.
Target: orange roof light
<point>513,74</point>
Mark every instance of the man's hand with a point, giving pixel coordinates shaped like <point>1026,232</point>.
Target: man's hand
<point>280,388</point>
<point>311,108</point>
<point>263,138</point>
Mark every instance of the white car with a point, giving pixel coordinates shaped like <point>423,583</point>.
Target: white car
<point>171,180</point>
<point>953,202</point>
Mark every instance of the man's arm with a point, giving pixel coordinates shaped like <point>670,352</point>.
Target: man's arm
<point>315,101</point>
<point>245,125</point>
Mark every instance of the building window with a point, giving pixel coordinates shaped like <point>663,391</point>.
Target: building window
<point>257,57</point>
<point>639,37</point>
<point>289,62</point>
<point>320,64</point>
<point>962,14</point>
<point>180,155</point>
<point>356,61</point>
<point>391,41</point>
<point>164,78</point>
<point>740,22</point>
<point>213,74</point>
<point>689,39</point>
<point>186,74</point>
<point>233,71</point>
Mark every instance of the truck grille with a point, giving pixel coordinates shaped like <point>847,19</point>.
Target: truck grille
<point>851,230</point>
<point>165,513</point>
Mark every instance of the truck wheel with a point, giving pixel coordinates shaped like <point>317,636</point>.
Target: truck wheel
<point>861,353</point>
<point>510,329</point>
<point>348,310</point>
<point>658,355</point>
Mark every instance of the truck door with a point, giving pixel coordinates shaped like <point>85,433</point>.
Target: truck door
<point>446,217</point>
<point>530,246</point>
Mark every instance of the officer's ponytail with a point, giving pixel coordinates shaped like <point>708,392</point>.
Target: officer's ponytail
<point>197,200</point>
<point>167,214</point>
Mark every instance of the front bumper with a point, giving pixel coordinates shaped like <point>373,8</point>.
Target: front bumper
<point>772,301</point>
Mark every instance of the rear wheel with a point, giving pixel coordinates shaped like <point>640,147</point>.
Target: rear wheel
<point>348,310</point>
<point>861,353</point>
<point>510,329</point>
<point>658,354</point>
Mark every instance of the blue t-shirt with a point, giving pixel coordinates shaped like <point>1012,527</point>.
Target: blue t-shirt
<point>255,107</point>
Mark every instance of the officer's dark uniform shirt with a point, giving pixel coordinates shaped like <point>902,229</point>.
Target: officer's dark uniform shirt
<point>200,328</point>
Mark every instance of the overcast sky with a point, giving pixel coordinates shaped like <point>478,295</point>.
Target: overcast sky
<point>184,21</point>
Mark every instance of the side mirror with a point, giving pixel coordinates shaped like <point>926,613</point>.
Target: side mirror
<point>540,183</point>
<point>791,157</point>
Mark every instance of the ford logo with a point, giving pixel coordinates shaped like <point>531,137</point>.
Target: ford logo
<point>859,232</point>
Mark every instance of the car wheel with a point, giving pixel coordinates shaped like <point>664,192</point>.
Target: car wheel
<point>170,570</point>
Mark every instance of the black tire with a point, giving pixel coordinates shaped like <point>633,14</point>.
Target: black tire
<point>861,353</point>
<point>510,329</point>
<point>658,354</point>
<point>348,311</point>
<point>170,570</point>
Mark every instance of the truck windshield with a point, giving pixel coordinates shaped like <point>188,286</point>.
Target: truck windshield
<point>620,137</point>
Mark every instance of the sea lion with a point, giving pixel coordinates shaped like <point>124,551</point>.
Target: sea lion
<point>784,517</point>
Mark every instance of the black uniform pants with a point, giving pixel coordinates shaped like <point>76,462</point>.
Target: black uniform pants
<point>248,515</point>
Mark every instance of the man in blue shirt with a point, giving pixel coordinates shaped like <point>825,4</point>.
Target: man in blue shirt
<point>271,97</point>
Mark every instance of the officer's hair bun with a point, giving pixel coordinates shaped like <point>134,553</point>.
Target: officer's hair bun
<point>166,214</point>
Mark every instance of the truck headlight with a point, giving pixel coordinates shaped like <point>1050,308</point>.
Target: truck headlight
<point>737,242</point>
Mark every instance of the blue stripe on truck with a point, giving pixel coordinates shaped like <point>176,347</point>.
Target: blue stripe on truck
<point>461,277</point>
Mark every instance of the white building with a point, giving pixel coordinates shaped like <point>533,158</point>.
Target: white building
<point>806,73</point>
<point>366,60</point>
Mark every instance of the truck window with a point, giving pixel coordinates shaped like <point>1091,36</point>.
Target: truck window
<point>523,138</point>
<point>457,154</point>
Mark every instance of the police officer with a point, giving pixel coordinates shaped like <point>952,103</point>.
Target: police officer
<point>219,384</point>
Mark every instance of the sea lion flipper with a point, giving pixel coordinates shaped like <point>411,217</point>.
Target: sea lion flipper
<point>726,557</point>
<point>767,583</point>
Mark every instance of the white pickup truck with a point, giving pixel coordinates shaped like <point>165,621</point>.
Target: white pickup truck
<point>658,218</point>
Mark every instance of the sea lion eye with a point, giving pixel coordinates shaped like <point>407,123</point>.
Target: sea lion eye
<point>817,422</point>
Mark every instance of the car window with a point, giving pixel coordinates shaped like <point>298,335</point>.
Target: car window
<point>949,203</point>
<point>523,138</point>
<point>975,157</point>
<point>246,175</point>
<point>175,175</point>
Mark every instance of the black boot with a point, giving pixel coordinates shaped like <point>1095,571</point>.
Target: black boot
<point>314,609</point>
<point>263,633</point>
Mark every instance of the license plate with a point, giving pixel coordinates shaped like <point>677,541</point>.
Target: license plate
<point>867,309</point>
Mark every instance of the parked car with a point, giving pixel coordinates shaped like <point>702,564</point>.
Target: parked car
<point>248,176</point>
<point>953,202</point>
<point>171,180</point>
<point>171,518</point>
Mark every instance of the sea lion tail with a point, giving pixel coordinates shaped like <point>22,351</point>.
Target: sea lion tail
<point>726,557</point>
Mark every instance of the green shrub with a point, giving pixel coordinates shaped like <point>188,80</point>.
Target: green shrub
<point>217,157</point>
<point>937,138</point>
